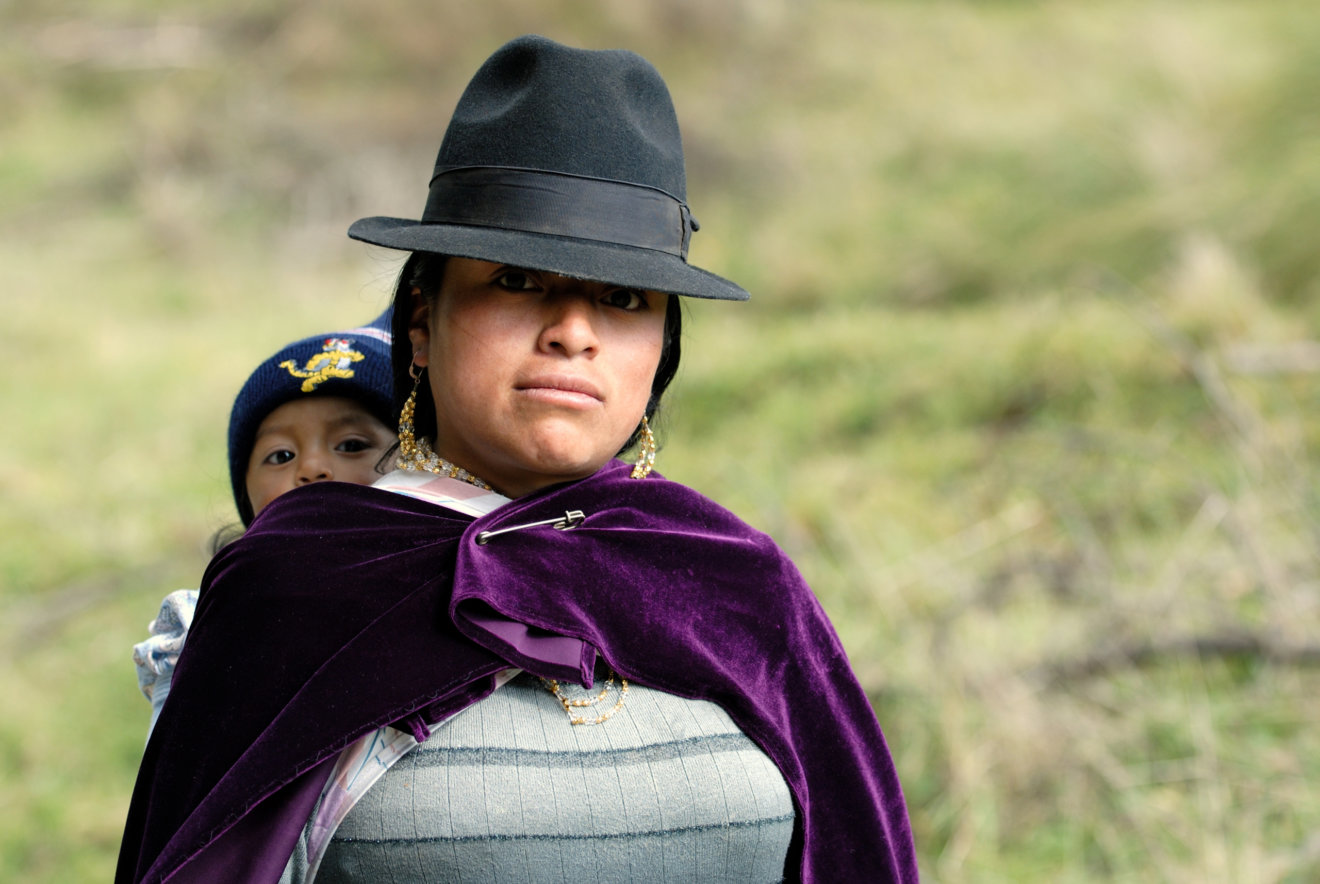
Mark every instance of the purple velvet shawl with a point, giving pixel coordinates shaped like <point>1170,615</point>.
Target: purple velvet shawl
<point>362,607</point>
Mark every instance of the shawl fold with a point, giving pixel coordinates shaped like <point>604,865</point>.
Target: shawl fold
<point>399,614</point>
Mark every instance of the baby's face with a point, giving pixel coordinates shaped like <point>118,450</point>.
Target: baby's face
<point>316,439</point>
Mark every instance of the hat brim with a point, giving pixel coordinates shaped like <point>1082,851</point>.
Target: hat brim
<point>567,256</point>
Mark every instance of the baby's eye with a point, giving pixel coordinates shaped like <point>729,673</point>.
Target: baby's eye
<point>276,458</point>
<point>353,446</point>
<point>626,299</point>
<point>516,280</point>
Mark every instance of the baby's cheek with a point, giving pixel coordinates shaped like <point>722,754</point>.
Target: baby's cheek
<point>362,471</point>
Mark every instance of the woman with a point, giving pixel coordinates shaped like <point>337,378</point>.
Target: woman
<point>427,700</point>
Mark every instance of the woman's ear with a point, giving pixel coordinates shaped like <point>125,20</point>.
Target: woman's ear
<point>419,328</point>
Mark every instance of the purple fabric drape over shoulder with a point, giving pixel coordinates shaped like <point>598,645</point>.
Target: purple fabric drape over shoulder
<point>361,607</point>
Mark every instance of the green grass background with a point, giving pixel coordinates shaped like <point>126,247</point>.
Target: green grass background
<point>1028,385</point>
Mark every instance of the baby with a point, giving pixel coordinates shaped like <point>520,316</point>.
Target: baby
<point>318,410</point>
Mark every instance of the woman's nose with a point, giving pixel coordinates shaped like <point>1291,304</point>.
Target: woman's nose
<point>570,325</point>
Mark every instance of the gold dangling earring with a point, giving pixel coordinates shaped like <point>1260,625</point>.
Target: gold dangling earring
<point>646,456</point>
<point>416,454</point>
<point>407,441</point>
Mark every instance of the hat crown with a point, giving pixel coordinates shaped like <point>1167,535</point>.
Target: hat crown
<point>536,104</point>
<point>567,161</point>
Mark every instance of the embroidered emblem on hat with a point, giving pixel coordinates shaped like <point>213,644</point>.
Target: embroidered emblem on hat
<point>333,361</point>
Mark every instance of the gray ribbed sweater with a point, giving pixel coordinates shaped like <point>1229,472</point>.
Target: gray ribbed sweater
<point>509,791</point>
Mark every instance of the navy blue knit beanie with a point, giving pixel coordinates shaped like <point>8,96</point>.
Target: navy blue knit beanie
<point>354,363</point>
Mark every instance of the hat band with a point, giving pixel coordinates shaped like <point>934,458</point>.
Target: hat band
<point>561,205</point>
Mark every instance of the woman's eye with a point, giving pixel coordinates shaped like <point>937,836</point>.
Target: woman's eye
<point>626,299</point>
<point>516,280</point>
<point>276,458</point>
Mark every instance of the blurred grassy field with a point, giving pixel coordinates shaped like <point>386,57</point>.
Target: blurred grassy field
<point>1028,386</point>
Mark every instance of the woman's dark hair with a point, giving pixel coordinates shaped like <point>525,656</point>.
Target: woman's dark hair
<point>425,272</point>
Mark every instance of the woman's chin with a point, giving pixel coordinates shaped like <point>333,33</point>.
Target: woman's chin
<point>529,470</point>
<point>561,467</point>
<point>560,449</point>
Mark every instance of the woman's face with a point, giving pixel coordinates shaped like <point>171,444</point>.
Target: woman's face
<point>537,378</point>
<point>314,439</point>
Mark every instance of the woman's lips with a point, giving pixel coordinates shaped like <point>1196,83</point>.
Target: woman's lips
<point>561,390</point>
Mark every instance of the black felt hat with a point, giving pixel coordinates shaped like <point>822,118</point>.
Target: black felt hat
<point>563,160</point>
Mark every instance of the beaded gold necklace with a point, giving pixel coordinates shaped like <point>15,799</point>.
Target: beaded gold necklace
<point>417,455</point>
<point>570,703</point>
<point>421,458</point>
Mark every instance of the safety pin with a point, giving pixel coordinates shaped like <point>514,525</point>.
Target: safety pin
<point>570,519</point>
